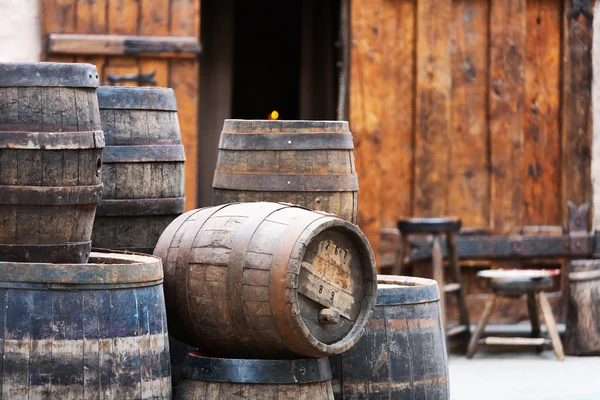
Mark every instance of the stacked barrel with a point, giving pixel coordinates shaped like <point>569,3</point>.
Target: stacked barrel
<point>77,322</point>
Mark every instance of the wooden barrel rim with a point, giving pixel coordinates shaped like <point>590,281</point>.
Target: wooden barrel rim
<point>307,370</point>
<point>70,252</point>
<point>50,195</point>
<point>52,140</point>
<point>406,290</point>
<point>144,153</point>
<point>286,126</point>
<point>48,74</point>
<point>136,98</point>
<point>289,257</point>
<point>285,182</point>
<point>140,207</point>
<point>105,267</point>
<point>285,141</point>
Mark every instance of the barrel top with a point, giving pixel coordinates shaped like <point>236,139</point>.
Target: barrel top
<point>48,74</point>
<point>404,290</point>
<point>136,98</point>
<point>297,371</point>
<point>104,267</point>
<point>283,126</point>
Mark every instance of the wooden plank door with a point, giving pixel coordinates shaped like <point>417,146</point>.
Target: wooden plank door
<point>131,37</point>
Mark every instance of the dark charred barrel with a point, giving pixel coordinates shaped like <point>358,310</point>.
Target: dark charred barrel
<point>96,330</point>
<point>402,354</point>
<point>309,163</point>
<point>266,280</point>
<point>50,159</point>
<point>143,172</point>
<point>582,335</point>
<point>222,378</point>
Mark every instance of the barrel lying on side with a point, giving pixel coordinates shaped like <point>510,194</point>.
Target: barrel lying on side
<point>50,159</point>
<point>266,280</point>
<point>309,163</point>
<point>143,173</point>
<point>220,378</point>
<point>402,354</point>
<point>74,331</point>
<point>582,336</point>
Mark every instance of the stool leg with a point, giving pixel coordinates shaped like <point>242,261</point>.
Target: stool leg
<point>403,249</point>
<point>533,314</point>
<point>438,274</point>
<point>455,268</point>
<point>551,325</point>
<point>487,312</point>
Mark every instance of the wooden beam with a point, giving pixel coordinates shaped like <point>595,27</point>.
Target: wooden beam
<point>119,45</point>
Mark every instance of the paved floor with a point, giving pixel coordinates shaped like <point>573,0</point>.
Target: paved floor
<point>522,375</point>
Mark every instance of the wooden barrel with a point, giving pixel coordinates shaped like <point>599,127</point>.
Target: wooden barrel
<point>222,378</point>
<point>266,280</point>
<point>402,354</point>
<point>143,171</point>
<point>96,330</point>
<point>50,159</point>
<point>582,335</point>
<point>309,163</point>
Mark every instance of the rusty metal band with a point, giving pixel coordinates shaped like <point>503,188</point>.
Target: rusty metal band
<point>76,253</point>
<point>52,140</point>
<point>286,141</point>
<point>48,74</point>
<point>102,269</point>
<point>140,207</point>
<point>235,271</point>
<point>285,182</point>
<point>50,195</point>
<point>136,98</point>
<point>144,153</point>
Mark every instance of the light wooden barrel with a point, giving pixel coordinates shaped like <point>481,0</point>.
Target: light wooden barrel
<point>582,335</point>
<point>74,331</point>
<point>309,163</point>
<point>402,354</point>
<point>266,280</point>
<point>50,159</point>
<point>143,171</point>
<point>220,378</point>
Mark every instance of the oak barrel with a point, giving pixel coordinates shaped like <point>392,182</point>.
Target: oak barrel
<point>207,378</point>
<point>96,330</point>
<point>50,160</point>
<point>402,354</point>
<point>143,172</point>
<point>309,163</point>
<point>582,335</point>
<point>266,280</point>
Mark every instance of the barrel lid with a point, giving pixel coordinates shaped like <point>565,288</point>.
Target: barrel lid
<point>401,290</point>
<point>299,371</point>
<point>136,98</point>
<point>105,267</point>
<point>284,126</point>
<point>31,74</point>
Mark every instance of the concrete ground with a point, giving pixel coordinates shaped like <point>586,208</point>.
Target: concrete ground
<point>524,375</point>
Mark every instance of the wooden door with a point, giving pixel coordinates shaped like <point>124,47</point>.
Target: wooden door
<point>158,38</point>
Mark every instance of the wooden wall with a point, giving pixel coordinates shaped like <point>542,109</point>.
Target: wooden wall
<point>475,108</point>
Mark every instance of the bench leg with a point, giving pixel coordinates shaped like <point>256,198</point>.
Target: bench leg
<point>551,325</point>
<point>487,313</point>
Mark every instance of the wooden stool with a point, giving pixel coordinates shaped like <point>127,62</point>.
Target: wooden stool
<point>437,227</point>
<point>515,283</point>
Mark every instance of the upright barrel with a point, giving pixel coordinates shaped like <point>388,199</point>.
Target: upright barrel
<point>143,173</point>
<point>309,163</point>
<point>74,331</point>
<point>582,335</point>
<point>50,160</point>
<point>266,280</point>
<point>402,354</point>
<point>207,378</point>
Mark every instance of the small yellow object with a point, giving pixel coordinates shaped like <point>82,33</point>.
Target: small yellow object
<point>274,114</point>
